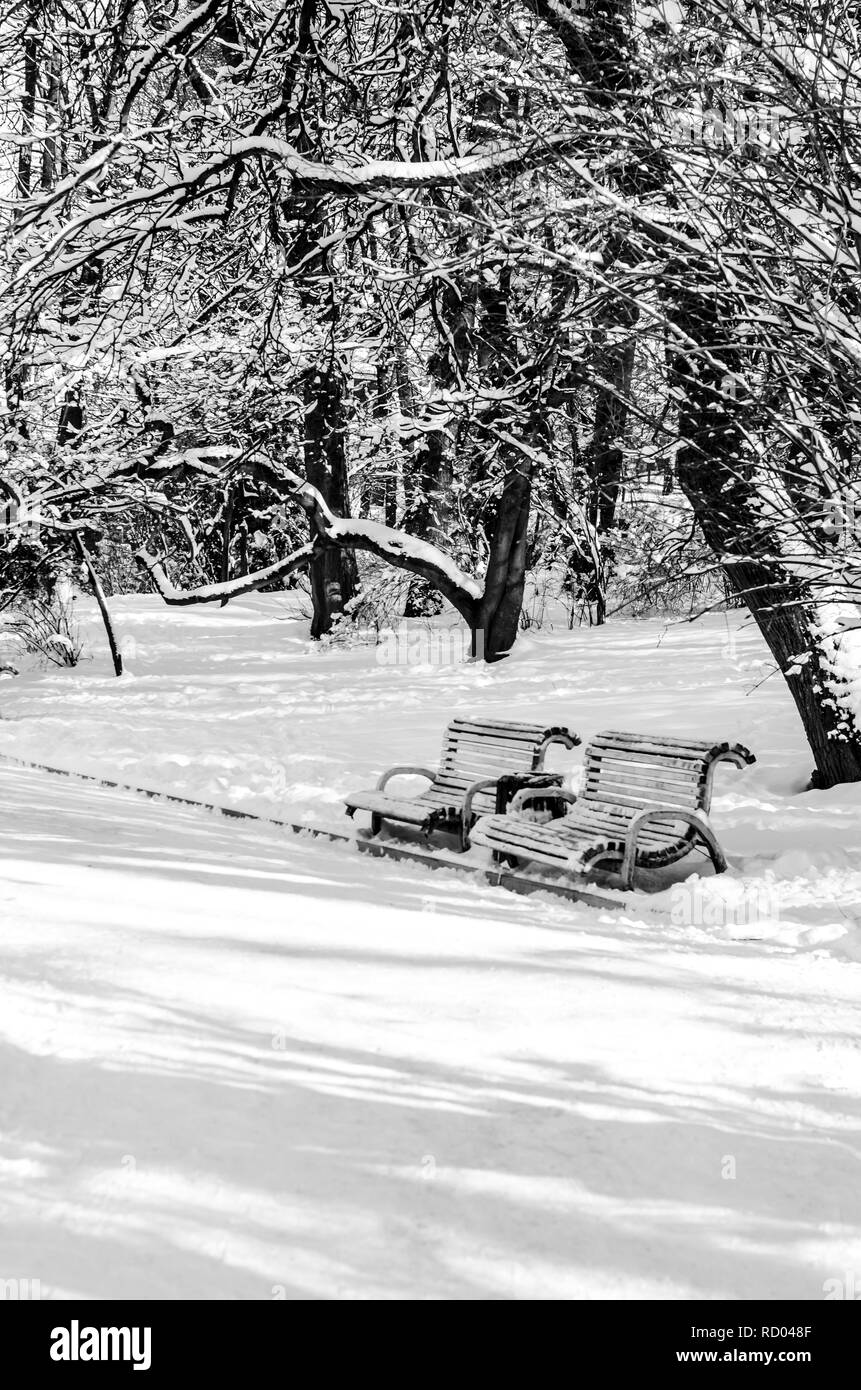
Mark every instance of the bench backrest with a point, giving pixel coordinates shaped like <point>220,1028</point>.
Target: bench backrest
<point>474,749</point>
<point>648,770</point>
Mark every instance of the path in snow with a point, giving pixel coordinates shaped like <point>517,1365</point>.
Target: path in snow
<point>241,1065</point>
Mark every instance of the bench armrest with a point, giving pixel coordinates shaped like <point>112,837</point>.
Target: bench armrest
<point>487,783</point>
<point>404,771</point>
<point>738,756</point>
<point>698,820</point>
<point>471,792</point>
<point>566,737</point>
<point>519,799</point>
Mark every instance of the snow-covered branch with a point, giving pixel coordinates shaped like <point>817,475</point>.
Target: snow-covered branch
<point>380,175</point>
<point>397,548</point>
<point>374,176</point>
<point>232,588</point>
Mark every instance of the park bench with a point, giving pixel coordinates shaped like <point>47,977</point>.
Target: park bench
<point>644,804</point>
<point>476,754</point>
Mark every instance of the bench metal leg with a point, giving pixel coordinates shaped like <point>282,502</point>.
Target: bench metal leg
<point>695,819</point>
<point>508,861</point>
<point>716,854</point>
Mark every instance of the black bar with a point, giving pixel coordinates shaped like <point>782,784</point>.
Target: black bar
<point>595,1340</point>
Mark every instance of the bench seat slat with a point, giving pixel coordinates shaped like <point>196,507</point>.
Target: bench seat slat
<point>625,797</point>
<point>670,769</point>
<point>639,775</point>
<point>570,847</point>
<point>500,745</point>
<point>477,763</point>
<point>666,748</point>
<point>498,832</point>
<point>702,746</point>
<point>511,755</point>
<point>625,793</point>
<point>512,752</point>
<point>490,728</point>
<point>397,808</point>
<point>619,817</point>
<point>475,769</point>
<point>467,739</point>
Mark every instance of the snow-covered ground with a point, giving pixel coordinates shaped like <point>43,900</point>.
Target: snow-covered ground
<point>240,1064</point>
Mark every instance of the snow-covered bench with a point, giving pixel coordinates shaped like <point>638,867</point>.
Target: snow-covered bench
<point>644,804</point>
<point>476,753</point>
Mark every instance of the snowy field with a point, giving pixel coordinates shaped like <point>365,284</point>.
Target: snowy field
<point>238,1064</point>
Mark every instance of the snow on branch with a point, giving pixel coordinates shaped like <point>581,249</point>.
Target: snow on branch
<point>232,588</point>
<point>408,553</point>
<point>397,548</point>
<point>379,175</point>
<point>375,176</point>
<point>173,39</point>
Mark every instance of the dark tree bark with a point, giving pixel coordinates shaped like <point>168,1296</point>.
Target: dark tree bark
<point>71,420</point>
<point>713,474</point>
<point>32,48</point>
<point>604,457</point>
<point>381,409</point>
<point>430,513</point>
<point>226,538</point>
<point>334,574</point>
<point>499,611</point>
<point>15,371</point>
<point>711,462</point>
<point>95,582</point>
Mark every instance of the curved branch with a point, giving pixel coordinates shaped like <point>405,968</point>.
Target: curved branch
<point>373,177</point>
<point>398,549</point>
<point>232,588</point>
<point>383,175</point>
<point>153,56</point>
<point>417,557</point>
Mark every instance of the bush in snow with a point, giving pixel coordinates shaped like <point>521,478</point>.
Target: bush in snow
<point>47,627</point>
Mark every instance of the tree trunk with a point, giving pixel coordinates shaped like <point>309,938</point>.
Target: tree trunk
<point>71,420</point>
<point>15,370</point>
<point>428,482</point>
<point>334,573</point>
<point>28,101</point>
<point>499,610</point>
<point>381,411</point>
<point>604,457</point>
<point>429,516</point>
<point>713,471</point>
<point>226,538</point>
<point>116,654</point>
